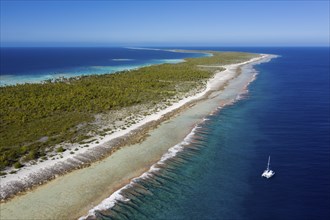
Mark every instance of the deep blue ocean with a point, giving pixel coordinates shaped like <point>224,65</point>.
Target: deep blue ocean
<point>285,115</point>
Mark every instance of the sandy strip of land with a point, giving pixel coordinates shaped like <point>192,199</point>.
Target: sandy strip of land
<point>37,174</point>
<point>39,170</point>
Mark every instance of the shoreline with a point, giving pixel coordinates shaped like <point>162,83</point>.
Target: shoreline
<point>31,176</point>
<point>118,193</point>
<point>139,132</point>
<point>7,79</point>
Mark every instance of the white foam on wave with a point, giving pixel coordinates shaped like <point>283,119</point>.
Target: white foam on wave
<point>108,202</point>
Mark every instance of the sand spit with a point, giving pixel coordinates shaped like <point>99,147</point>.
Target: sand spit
<point>35,175</point>
<point>74,194</point>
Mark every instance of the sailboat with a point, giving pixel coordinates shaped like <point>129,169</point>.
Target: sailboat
<point>268,173</point>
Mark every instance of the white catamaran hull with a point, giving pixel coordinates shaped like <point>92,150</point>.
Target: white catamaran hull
<point>268,173</point>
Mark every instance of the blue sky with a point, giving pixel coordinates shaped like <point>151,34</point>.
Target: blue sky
<point>168,23</point>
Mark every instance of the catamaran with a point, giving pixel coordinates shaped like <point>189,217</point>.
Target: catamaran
<point>268,173</point>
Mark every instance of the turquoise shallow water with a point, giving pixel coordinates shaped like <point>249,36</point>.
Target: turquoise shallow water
<point>218,174</point>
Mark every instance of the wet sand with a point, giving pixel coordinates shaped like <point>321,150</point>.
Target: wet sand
<point>72,195</point>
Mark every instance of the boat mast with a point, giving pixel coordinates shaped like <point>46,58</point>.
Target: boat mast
<point>268,163</point>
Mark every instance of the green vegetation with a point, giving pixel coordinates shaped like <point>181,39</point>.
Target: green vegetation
<point>60,150</point>
<point>35,117</point>
<point>17,165</point>
<point>221,59</point>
